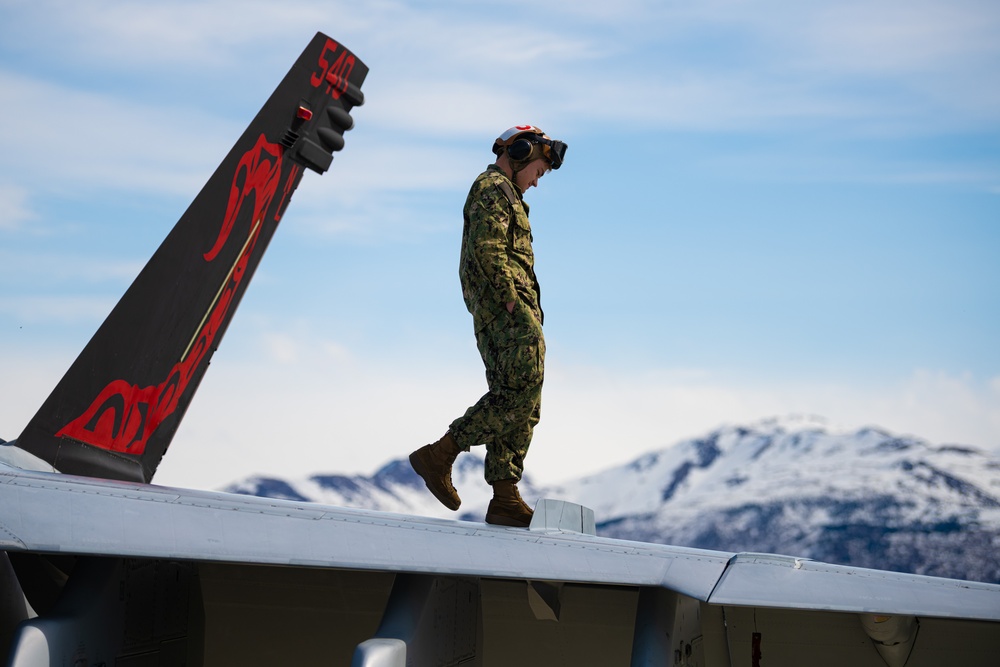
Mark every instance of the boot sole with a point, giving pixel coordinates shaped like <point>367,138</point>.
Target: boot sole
<point>501,520</point>
<point>418,467</point>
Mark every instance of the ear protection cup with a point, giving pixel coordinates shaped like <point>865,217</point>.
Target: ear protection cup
<point>520,150</point>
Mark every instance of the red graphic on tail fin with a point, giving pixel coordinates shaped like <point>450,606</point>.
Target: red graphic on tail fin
<point>124,416</point>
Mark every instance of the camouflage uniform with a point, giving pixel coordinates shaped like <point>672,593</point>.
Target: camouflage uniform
<point>497,267</point>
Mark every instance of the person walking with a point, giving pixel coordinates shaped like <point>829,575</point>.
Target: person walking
<point>501,291</point>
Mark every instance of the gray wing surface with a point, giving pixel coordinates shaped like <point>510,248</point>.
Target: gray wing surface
<point>53,513</point>
<point>217,578</point>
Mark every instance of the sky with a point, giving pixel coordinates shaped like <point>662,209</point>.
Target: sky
<point>767,208</point>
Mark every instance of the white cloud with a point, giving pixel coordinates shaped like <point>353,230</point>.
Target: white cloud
<point>108,141</point>
<point>29,375</point>
<point>460,69</point>
<point>45,268</point>
<point>820,166</point>
<point>946,406</point>
<point>428,111</point>
<point>61,309</point>
<point>453,76</point>
<point>219,34</point>
<point>16,209</point>
<point>610,417</point>
<point>902,35</point>
<point>302,403</point>
<point>153,35</point>
<point>352,414</point>
<point>282,348</point>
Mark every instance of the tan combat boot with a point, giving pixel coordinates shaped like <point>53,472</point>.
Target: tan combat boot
<point>507,508</point>
<point>433,463</point>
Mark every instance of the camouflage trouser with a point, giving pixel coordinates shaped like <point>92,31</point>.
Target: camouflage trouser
<point>513,350</point>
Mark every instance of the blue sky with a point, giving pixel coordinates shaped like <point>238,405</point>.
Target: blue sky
<point>767,208</point>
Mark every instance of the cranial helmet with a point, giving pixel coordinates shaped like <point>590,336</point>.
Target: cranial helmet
<point>524,143</point>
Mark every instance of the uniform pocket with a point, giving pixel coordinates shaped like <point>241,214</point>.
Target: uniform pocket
<point>521,232</point>
<point>521,362</point>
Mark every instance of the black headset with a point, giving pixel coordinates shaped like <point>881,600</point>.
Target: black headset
<point>520,149</point>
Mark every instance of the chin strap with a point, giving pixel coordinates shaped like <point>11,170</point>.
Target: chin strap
<point>516,166</point>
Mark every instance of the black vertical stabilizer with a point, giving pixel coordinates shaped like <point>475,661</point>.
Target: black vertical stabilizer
<point>116,410</point>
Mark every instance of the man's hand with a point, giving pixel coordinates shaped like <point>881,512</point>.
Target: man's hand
<point>510,307</point>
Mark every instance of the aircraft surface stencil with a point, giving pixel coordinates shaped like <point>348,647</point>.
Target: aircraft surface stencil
<point>100,567</point>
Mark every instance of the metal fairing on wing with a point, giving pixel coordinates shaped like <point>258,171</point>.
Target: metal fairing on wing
<point>99,567</point>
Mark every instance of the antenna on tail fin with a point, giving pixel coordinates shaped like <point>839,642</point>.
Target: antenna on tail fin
<point>117,408</point>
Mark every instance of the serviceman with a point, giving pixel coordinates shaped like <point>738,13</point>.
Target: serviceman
<point>500,290</point>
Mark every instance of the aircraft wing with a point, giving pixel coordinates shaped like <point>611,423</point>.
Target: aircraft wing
<point>107,518</point>
<point>557,575</point>
<point>47,512</point>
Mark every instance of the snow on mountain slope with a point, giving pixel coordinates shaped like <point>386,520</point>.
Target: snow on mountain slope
<point>866,498</point>
<point>393,488</point>
<point>788,460</point>
<point>796,486</point>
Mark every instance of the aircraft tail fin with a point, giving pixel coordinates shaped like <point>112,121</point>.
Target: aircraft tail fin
<point>117,408</point>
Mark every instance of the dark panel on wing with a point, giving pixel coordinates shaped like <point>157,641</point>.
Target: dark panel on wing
<point>115,411</point>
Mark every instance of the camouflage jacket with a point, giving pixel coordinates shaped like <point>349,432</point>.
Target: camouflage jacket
<point>497,263</point>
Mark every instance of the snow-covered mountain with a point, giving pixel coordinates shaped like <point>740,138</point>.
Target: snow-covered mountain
<point>794,486</point>
<point>393,488</point>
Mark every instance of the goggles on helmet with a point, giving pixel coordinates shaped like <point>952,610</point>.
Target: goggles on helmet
<point>553,150</point>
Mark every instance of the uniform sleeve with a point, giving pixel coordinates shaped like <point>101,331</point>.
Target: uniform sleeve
<point>489,219</point>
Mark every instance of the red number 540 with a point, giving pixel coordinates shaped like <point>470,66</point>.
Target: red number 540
<point>335,75</point>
